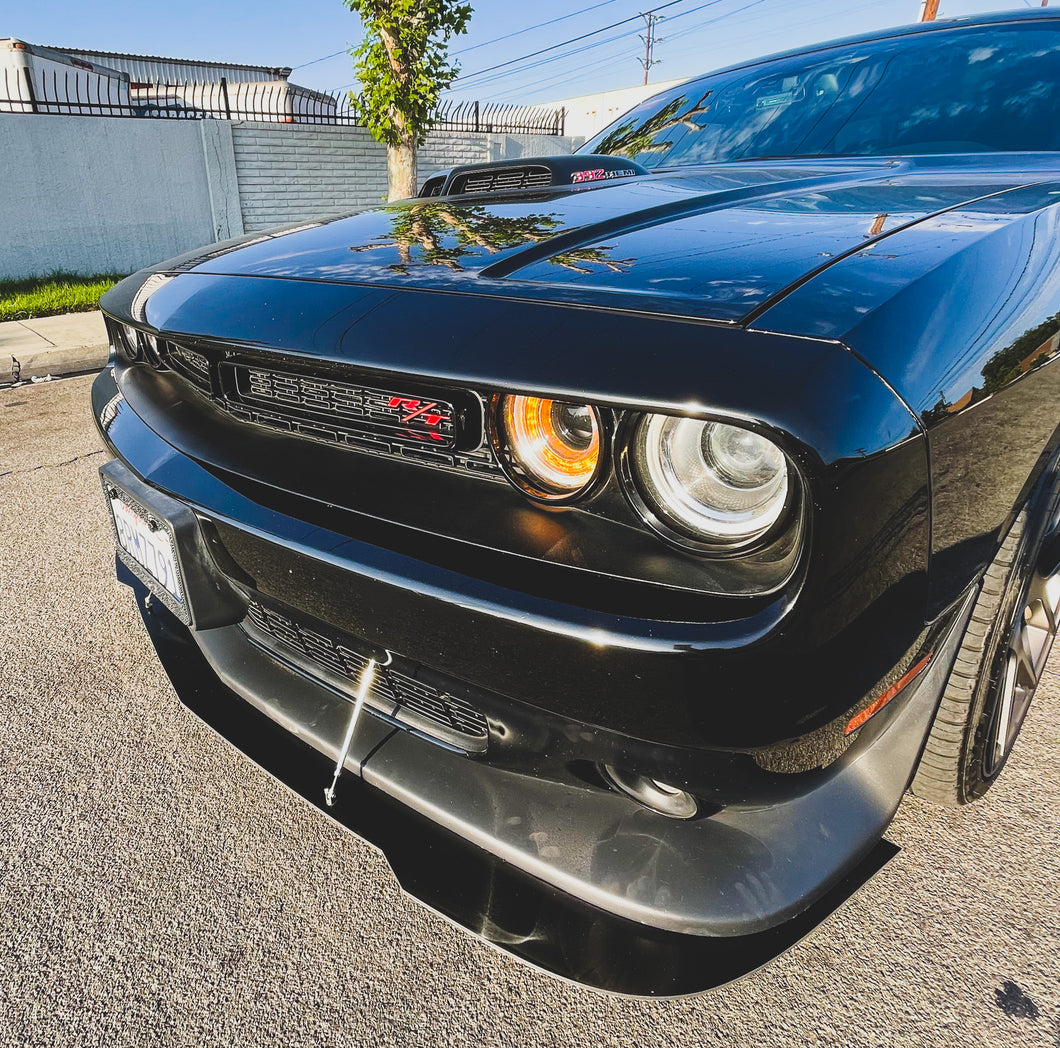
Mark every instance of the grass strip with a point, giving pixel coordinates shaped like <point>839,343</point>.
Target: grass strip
<point>51,295</point>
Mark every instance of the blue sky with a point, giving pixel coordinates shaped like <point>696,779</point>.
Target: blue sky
<point>696,36</point>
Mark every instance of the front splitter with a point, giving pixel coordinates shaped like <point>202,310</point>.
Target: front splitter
<point>488,897</point>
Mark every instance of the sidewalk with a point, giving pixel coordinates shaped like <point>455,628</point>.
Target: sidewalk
<point>52,346</point>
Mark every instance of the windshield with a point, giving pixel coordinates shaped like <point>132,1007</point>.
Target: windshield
<point>965,90</point>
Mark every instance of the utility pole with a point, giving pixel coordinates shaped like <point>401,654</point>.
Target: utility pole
<point>928,10</point>
<point>651,19</point>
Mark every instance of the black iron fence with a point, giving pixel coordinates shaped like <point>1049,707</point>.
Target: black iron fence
<point>497,116</point>
<point>87,93</point>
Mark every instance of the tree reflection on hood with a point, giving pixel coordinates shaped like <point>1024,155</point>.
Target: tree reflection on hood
<point>435,233</point>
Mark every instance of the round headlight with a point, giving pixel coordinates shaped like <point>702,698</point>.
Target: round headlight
<point>152,349</point>
<point>131,337</point>
<point>720,485</point>
<point>550,448</point>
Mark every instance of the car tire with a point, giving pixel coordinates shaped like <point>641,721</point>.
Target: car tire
<point>1000,661</point>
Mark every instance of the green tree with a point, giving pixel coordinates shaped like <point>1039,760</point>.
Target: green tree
<point>403,67</point>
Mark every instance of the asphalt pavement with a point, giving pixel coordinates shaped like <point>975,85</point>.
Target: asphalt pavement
<point>156,888</point>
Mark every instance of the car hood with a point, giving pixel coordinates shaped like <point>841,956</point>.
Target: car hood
<point>719,243</point>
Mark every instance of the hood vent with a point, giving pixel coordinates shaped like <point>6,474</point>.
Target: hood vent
<point>434,185</point>
<point>540,172</point>
<point>502,180</point>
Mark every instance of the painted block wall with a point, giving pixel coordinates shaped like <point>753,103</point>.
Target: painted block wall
<point>112,194</point>
<point>99,194</point>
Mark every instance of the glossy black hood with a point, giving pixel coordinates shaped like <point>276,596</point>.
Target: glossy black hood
<point>717,243</point>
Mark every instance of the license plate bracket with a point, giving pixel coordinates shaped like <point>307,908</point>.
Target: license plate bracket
<point>145,543</point>
<point>198,593</point>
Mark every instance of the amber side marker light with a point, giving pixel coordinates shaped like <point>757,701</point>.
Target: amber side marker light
<point>553,445</point>
<point>874,707</point>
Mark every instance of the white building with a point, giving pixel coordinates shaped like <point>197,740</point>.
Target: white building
<point>36,79</point>
<point>145,69</point>
<point>587,114</point>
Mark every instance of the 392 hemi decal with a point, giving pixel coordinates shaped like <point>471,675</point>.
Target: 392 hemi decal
<point>600,175</point>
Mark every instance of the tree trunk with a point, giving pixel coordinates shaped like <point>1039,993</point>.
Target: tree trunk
<point>401,171</point>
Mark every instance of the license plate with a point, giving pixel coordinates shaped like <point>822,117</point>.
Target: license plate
<point>150,546</point>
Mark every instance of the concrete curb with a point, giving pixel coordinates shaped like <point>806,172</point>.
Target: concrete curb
<point>52,346</point>
<point>60,361</point>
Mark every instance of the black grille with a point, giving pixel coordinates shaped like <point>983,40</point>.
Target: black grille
<point>408,419</point>
<point>396,693</point>
<point>480,461</point>
<point>446,709</point>
<point>191,365</point>
<point>415,427</point>
<point>502,180</point>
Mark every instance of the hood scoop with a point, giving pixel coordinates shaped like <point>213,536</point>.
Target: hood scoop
<point>501,180</point>
<point>530,173</point>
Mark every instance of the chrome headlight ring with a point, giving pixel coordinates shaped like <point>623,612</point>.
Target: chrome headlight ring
<point>713,486</point>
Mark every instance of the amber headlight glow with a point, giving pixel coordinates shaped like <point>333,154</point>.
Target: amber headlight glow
<point>551,448</point>
<point>719,485</point>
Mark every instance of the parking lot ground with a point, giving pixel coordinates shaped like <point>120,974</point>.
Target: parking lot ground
<point>157,888</point>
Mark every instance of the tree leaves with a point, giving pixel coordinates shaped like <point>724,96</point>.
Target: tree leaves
<point>403,64</point>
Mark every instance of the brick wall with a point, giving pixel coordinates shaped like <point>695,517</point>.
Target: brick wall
<point>288,173</point>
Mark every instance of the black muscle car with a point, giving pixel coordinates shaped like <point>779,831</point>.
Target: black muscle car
<point>612,539</point>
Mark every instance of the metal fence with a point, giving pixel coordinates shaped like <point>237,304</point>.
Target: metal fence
<point>275,101</point>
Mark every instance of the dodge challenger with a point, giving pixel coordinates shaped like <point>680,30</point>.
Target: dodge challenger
<point>612,539</point>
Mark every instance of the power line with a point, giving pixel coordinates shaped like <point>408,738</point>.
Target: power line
<point>713,21</point>
<point>498,72</point>
<point>482,78</point>
<point>485,43</point>
<point>534,65</point>
<point>569,54</point>
<point>730,41</point>
<point>334,54</point>
<point>585,71</point>
<point>564,43</point>
<point>507,74</point>
<point>503,72</point>
<point>531,28</point>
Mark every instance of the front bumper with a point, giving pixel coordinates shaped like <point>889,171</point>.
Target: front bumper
<point>536,858</point>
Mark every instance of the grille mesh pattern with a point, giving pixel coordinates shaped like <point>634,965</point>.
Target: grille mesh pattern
<point>329,397</point>
<point>445,709</point>
<point>318,649</point>
<point>332,411</point>
<point>480,461</point>
<point>193,366</point>
<point>397,693</point>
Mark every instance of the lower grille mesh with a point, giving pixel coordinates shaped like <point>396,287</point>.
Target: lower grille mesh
<point>395,693</point>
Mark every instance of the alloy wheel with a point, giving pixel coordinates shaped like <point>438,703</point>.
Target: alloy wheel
<point>1035,620</point>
